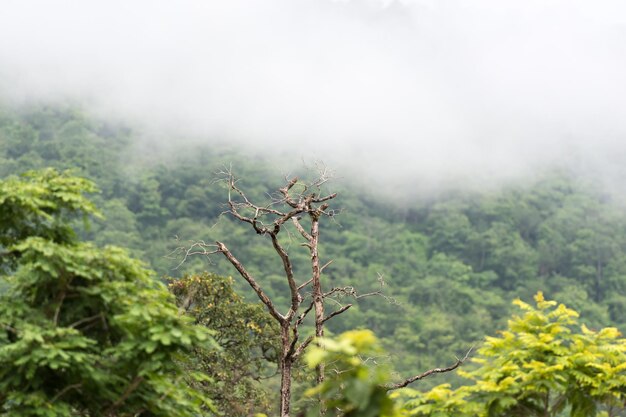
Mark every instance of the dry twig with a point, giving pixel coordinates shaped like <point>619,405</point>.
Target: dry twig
<point>425,374</point>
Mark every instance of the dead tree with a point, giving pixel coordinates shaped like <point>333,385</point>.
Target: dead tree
<point>292,204</point>
<point>301,205</point>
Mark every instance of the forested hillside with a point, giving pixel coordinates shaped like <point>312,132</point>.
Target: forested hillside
<point>451,264</point>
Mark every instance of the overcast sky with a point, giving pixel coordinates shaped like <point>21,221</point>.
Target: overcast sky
<point>420,90</point>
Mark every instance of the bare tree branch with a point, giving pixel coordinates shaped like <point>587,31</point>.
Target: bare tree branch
<point>423,375</point>
<point>302,347</point>
<point>195,248</point>
<point>322,199</point>
<point>300,229</point>
<point>285,192</point>
<point>336,313</point>
<point>304,284</point>
<point>323,267</point>
<point>295,328</point>
<point>255,286</point>
<point>350,291</point>
<point>296,298</point>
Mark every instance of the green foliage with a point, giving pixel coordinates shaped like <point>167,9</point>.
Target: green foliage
<point>40,204</point>
<point>355,385</point>
<point>84,330</point>
<point>544,364</point>
<point>247,336</point>
<point>440,401</point>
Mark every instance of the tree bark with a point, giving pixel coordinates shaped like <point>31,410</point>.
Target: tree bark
<point>318,295</point>
<point>286,363</point>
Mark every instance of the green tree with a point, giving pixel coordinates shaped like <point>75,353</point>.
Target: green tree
<point>84,331</point>
<point>248,337</point>
<point>545,364</point>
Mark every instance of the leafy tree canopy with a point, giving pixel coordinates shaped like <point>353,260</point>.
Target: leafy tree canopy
<point>247,335</point>
<point>544,364</point>
<point>83,330</point>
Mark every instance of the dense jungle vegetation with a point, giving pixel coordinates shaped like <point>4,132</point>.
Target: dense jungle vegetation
<point>451,265</point>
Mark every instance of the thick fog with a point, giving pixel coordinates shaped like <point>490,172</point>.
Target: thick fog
<point>407,92</point>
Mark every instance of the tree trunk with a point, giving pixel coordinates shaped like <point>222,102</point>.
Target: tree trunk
<point>286,363</point>
<point>318,299</point>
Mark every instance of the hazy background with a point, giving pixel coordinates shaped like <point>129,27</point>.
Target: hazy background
<point>414,92</point>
